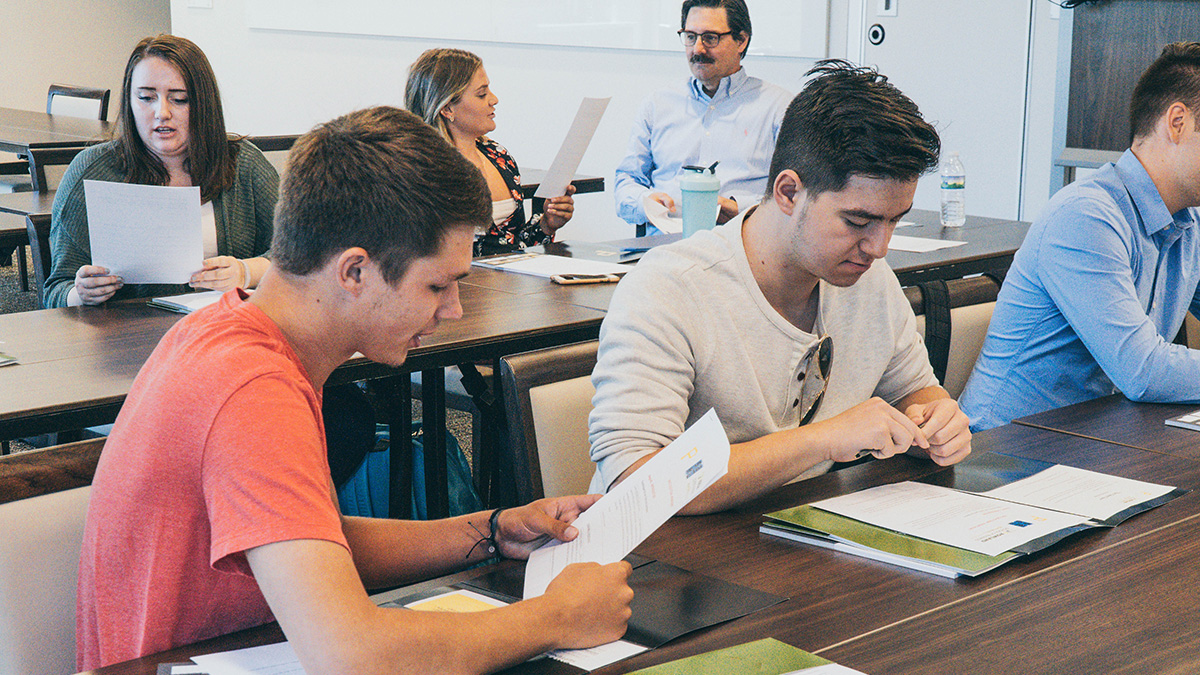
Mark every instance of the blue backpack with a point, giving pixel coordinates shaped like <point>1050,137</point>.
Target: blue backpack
<point>366,492</point>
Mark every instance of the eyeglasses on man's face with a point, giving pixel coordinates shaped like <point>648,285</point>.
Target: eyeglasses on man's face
<point>708,39</point>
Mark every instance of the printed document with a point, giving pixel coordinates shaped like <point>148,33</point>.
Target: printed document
<point>981,524</point>
<point>145,234</point>
<point>562,169</point>
<point>639,505</point>
<point>1079,491</point>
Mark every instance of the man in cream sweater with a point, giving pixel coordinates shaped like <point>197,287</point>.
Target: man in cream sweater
<point>779,319</point>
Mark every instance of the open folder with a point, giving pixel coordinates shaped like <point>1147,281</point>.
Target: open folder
<point>971,518</point>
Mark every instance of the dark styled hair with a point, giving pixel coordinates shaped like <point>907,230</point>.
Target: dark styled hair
<point>437,79</point>
<point>211,152</point>
<point>848,121</point>
<point>1174,77</point>
<point>378,178</point>
<point>737,15</point>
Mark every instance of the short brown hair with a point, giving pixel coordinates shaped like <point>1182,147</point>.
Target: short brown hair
<point>847,121</point>
<point>1173,77</point>
<point>435,80</point>
<point>211,153</point>
<point>380,179</point>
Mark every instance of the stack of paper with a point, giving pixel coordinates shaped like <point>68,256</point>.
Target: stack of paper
<point>186,303</point>
<point>954,531</point>
<point>542,265</point>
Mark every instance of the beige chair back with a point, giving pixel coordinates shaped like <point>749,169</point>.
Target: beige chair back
<point>39,565</point>
<point>43,505</point>
<point>547,399</point>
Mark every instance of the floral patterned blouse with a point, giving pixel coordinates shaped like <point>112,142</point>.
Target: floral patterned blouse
<point>515,233</point>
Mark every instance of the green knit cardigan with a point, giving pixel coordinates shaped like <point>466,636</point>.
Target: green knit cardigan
<point>244,215</point>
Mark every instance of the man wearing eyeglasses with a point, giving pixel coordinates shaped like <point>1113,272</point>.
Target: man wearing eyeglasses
<point>783,320</point>
<point>722,115</point>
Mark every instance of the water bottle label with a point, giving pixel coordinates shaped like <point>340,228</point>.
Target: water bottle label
<point>954,182</point>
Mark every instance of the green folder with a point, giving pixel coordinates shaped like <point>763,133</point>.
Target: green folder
<point>814,526</point>
<point>761,657</point>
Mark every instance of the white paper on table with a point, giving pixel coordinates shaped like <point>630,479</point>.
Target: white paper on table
<point>276,659</point>
<point>145,234</point>
<point>612,527</point>
<point>463,600</point>
<point>1079,491</point>
<point>660,216</point>
<point>545,265</point>
<point>597,657</point>
<point>976,523</point>
<point>920,244</point>
<point>562,169</point>
<point>827,669</point>
<point>906,223</point>
<point>187,669</point>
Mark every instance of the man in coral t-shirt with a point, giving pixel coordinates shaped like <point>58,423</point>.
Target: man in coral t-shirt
<point>212,508</point>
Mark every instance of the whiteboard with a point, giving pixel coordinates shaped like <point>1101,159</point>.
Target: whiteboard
<point>781,27</point>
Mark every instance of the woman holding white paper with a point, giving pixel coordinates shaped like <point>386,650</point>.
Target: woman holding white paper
<point>449,89</point>
<point>170,131</point>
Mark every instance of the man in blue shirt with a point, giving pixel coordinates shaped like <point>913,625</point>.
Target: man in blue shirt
<point>1106,275</point>
<point>722,115</point>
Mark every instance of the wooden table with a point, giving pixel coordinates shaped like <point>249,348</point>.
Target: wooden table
<point>991,243</point>
<point>1116,419</point>
<point>25,203</point>
<point>77,364</point>
<point>839,605</point>
<point>21,130</point>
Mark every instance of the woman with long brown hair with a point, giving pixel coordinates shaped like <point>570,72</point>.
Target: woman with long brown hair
<point>170,131</point>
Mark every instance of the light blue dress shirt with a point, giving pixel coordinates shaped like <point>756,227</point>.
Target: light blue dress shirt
<point>677,127</point>
<point>1096,293</point>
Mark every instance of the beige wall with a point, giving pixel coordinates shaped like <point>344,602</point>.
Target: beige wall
<point>81,42</point>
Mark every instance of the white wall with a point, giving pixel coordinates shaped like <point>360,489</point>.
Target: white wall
<point>285,81</point>
<point>82,42</point>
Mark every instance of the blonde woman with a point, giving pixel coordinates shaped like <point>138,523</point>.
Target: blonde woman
<point>450,90</point>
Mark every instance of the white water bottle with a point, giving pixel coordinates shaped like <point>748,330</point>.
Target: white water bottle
<point>954,187</point>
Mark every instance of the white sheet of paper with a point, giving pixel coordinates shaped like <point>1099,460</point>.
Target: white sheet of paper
<point>562,169</point>
<point>276,659</point>
<point>188,302</point>
<point>597,657</point>
<point>187,669</point>
<point>920,244</point>
<point>463,600</point>
<point>827,669</point>
<point>660,216</point>
<point>1079,491</point>
<point>980,524</point>
<point>543,265</point>
<point>639,505</point>
<point>146,234</point>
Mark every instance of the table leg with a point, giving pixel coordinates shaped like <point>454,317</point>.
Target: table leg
<point>397,395</point>
<point>433,425</point>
